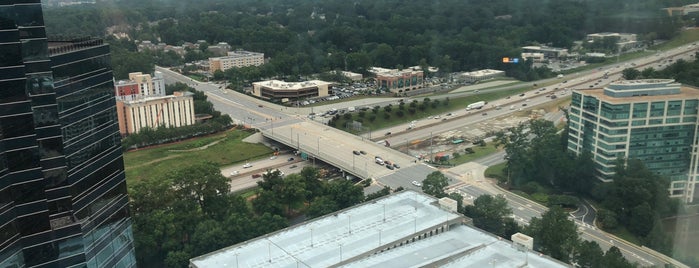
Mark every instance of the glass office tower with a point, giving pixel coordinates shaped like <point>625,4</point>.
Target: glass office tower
<point>63,199</point>
<point>654,121</point>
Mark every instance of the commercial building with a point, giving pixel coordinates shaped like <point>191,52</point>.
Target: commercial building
<point>549,52</point>
<point>352,76</point>
<point>405,229</point>
<point>654,121</point>
<point>683,10</point>
<point>275,89</point>
<point>481,75</point>
<point>167,111</point>
<point>63,200</point>
<point>236,59</point>
<point>398,81</point>
<point>139,86</point>
<point>624,41</point>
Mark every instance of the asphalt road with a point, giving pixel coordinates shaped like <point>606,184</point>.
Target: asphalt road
<point>268,116</point>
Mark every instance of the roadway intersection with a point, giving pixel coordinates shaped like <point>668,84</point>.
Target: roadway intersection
<point>290,125</point>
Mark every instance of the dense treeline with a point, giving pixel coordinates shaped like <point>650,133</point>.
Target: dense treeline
<point>554,234</point>
<point>685,72</point>
<point>636,200</point>
<point>190,212</point>
<point>303,37</point>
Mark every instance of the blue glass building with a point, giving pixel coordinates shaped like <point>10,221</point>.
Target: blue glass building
<point>63,200</point>
<point>653,120</point>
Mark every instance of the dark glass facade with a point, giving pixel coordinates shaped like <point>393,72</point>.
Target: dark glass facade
<point>63,199</point>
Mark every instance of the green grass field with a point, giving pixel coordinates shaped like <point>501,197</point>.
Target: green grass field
<point>478,153</point>
<point>159,160</point>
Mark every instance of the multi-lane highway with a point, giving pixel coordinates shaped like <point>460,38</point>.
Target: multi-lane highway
<point>291,127</point>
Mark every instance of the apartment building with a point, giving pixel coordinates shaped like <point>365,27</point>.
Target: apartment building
<point>236,59</point>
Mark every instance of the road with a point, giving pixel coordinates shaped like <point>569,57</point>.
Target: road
<point>338,147</point>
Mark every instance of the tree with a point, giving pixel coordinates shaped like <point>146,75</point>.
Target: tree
<point>490,213</point>
<point>434,184</point>
<point>320,206</point>
<point>589,255</point>
<point>554,234</point>
<point>344,193</point>
<point>613,258</point>
<point>515,144</point>
<point>630,73</point>
<point>202,184</point>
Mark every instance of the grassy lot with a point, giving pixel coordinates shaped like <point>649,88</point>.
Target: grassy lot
<point>479,151</point>
<point>496,171</point>
<point>685,37</point>
<point>159,160</point>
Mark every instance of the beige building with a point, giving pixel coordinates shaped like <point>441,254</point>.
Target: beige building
<point>275,89</point>
<point>236,59</point>
<point>140,85</point>
<point>480,75</point>
<point>168,111</point>
<point>398,81</point>
<point>549,52</point>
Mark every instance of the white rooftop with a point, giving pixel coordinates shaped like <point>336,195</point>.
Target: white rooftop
<point>484,72</point>
<point>376,234</point>
<point>281,85</point>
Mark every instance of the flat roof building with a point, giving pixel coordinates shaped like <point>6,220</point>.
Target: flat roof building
<point>624,40</point>
<point>653,120</point>
<point>140,85</point>
<point>275,89</point>
<point>167,111</point>
<point>398,81</point>
<point>405,229</point>
<point>481,75</point>
<point>549,52</point>
<point>236,59</point>
<point>352,76</point>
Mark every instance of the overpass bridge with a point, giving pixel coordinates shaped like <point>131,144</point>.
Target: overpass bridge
<point>336,147</point>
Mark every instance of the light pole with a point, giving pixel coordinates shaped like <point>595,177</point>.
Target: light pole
<point>353,155</point>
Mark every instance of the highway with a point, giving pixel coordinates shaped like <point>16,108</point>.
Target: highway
<point>291,127</point>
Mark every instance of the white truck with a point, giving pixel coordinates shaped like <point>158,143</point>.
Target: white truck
<point>475,105</point>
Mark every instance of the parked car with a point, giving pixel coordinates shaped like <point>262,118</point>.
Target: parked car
<point>356,152</point>
<point>416,183</point>
<point>235,172</point>
<point>395,165</point>
<point>255,176</point>
<point>290,159</point>
<point>247,165</point>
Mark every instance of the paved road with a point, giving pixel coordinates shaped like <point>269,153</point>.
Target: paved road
<point>336,151</point>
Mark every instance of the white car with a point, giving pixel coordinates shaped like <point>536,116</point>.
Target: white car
<point>247,165</point>
<point>235,172</point>
<point>416,183</point>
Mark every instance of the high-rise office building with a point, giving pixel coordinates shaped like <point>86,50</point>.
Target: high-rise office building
<point>63,199</point>
<point>654,121</point>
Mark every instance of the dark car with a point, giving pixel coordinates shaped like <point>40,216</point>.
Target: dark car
<point>356,152</point>
<point>390,167</point>
<point>484,114</point>
<point>255,176</point>
<point>388,133</point>
<point>290,159</point>
<point>362,152</point>
<point>524,104</point>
